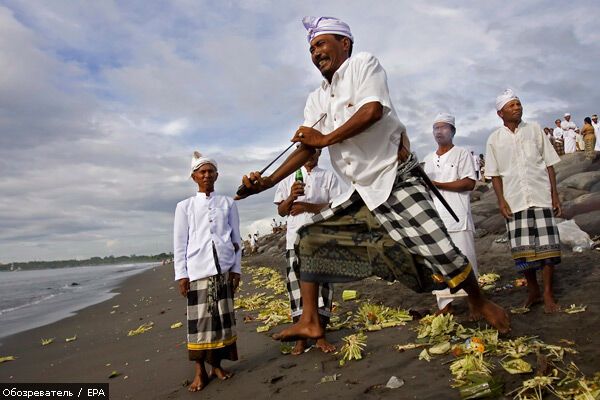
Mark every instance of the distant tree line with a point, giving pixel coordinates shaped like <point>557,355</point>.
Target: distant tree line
<point>87,262</point>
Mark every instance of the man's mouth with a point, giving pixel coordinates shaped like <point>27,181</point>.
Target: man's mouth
<point>322,62</point>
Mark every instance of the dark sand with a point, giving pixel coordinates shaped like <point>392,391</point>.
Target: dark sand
<point>154,365</point>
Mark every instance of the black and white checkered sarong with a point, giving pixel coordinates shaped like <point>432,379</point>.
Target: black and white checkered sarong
<point>534,239</point>
<point>211,319</point>
<point>325,300</point>
<point>349,242</point>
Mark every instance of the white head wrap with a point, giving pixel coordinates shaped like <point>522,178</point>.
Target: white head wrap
<point>199,160</point>
<point>567,115</point>
<point>445,117</point>
<point>505,97</point>
<point>326,25</point>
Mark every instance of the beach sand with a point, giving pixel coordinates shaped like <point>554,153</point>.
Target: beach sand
<point>154,365</point>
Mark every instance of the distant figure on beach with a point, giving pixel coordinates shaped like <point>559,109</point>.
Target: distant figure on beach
<point>596,126</point>
<point>589,138</point>
<point>387,215</point>
<point>299,200</point>
<point>476,164</point>
<point>482,167</point>
<point>520,161</point>
<point>274,225</point>
<point>450,168</point>
<point>558,133</point>
<point>207,266</point>
<point>569,134</point>
<point>254,243</point>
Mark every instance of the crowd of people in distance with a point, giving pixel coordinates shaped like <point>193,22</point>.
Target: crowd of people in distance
<point>567,138</point>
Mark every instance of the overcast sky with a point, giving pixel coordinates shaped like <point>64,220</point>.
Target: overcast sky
<point>103,102</point>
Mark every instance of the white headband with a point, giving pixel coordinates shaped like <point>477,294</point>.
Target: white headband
<point>445,117</point>
<point>326,25</point>
<point>505,97</point>
<point>198,160</point>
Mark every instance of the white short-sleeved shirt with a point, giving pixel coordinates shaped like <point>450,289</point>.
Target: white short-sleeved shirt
<point>320,186</point>
<point>201,221</point>
<point>367,161</point>
<point>521,160</point>
<point>557,133</point>
<point>454,165</point>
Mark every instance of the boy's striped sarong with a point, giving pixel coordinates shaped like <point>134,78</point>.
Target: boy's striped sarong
<point>211,320</point>
<point>395,241</point>
<point>325,300</point>
<point>534,240</point>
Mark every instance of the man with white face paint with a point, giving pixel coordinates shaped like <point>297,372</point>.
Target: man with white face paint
<point>451,170</point>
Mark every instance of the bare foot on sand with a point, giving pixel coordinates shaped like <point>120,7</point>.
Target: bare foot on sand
<point>534,297</point>
<point>299,347</point>
<point>493,314</point>
<point>323,345</point>
<point>200,381</point>
<point>221,373</point>
<point>550,306</point>
<point>303,329</point>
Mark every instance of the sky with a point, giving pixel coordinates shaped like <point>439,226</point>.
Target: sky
<point>102,103</point>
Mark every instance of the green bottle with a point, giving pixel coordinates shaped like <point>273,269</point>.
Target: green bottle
<point>299,177</point>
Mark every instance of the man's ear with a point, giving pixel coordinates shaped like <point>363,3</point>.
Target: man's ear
<point>499,112</point>
<point>347,43</point>
<point>216,176</point>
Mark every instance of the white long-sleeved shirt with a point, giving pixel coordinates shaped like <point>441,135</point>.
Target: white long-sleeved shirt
<point>200,221</point>
<point>521,159</point>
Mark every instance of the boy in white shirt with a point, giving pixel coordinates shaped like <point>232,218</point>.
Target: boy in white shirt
<point>207,262</point>
<point>450,169</point>
<point>520,160</point>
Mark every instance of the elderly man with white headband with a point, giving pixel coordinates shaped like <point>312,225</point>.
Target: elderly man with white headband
<point>452,171</point>
<point>520,160</point>
<point>207,261</point>
<point>387,215</point>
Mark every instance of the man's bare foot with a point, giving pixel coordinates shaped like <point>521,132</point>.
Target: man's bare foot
<point>550,306</point>
<point>221,373</point>
<point>493,314</point>
<point>446,310</point>
<point>323,345</point>
<point>309,329</point>
<point>534,297</point>
<point>200,381</point>
<point>299,347</point>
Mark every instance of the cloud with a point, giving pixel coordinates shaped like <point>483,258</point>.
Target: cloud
<point>102,103</point>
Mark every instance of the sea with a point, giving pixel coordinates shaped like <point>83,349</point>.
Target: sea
<point>33,298</point>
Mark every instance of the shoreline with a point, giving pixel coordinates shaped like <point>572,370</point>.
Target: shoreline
<point>66,304</point>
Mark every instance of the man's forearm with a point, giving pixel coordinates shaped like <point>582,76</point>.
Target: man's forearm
<point>498,189</point>
<point>295,160</point>
<point>461,185</point>
<point>552,177</point>
<point>363,119</point>
<point>283,208</point>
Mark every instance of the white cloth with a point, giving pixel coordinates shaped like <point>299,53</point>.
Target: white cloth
<point>325,25</point>
<point>201,221</point>
<point>569,136</point>
<point>476,162</point>
<point>504,98</point>
<point>451,166</point>
<point>521,159</point>
<point>558,133</point>
<point>367,161</point>
<point>199,160</point>
<point>445,117</point>
<point>320,186</point>
<point>597,132</point>
<point>465,241</point>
